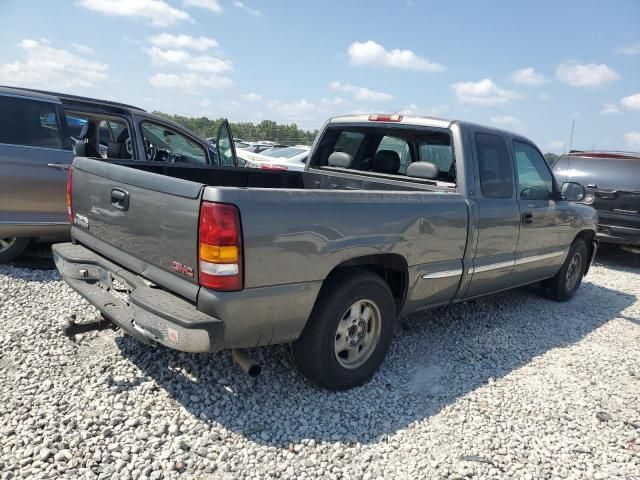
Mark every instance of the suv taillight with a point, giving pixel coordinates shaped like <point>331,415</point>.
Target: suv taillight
<point>219,247</point>
<point>69,202</point>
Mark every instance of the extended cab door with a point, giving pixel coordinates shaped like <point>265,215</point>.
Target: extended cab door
<point>498,213</point>
<point>545,228</point>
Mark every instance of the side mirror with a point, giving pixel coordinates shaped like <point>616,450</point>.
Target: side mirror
<point>573,192</point>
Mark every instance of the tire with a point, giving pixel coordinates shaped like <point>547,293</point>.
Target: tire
<point>567,281</point>
<point>349,331</point>
<point>11,248</point>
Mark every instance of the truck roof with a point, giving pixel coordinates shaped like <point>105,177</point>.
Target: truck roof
<point>62,97</point>
<point>420,120</point>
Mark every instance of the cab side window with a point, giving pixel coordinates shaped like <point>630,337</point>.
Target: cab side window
<point>29,122</point>
<point>535,181</point>
<point>494,165</point>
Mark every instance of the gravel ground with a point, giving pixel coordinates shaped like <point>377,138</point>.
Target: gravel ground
<point>513,386</point>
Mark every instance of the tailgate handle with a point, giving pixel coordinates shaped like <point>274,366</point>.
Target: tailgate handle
<point>120,198</point>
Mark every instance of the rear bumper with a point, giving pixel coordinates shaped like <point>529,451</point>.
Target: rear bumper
<point>145,312</point>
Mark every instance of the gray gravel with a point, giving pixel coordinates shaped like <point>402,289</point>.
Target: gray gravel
<point>514,386</point>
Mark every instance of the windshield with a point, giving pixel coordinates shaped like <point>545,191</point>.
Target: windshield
<point>287,152</point>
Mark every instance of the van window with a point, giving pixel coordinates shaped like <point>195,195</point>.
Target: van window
<point>29,122</point>
<point>165,144</point>
<point>494,165</point>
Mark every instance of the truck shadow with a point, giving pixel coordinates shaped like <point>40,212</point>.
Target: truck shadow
<point>614,258</point>
<point>436,357</point>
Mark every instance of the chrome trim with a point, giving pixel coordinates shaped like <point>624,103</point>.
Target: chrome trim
<point>444,274</point>
<point>491,266</point>
<point>537,258</point>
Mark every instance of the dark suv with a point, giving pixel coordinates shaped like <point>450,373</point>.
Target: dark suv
<point>612,180</point>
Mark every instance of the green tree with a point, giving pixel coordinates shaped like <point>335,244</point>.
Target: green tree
<point>265,130</point>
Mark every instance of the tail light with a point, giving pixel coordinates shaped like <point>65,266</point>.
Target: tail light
<point>69,202</point>
<point>220,247</point>
<point>376,117</point>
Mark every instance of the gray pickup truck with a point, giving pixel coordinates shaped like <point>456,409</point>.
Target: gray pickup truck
<point>392,215</point>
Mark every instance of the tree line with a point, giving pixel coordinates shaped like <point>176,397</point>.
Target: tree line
<point>265,130</point>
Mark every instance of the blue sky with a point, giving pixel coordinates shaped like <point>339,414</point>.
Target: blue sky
<point>531,66</point>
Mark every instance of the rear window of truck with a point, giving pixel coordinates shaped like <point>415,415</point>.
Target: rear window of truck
<point>386,151</point>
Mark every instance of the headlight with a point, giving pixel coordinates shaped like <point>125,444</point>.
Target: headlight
<point>589,198</point>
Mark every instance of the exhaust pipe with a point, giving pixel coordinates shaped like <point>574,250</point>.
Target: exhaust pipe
<point>242,358</point>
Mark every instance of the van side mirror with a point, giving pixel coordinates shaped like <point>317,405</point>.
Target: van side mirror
<point>573,192</point>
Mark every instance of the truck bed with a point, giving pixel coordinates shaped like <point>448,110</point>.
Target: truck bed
<point>296,227</point>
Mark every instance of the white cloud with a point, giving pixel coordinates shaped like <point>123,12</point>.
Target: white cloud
<point>609,108</point>
<point>585,75</point>
<point>167,40</point>
<point>557,145</point>
<point>632,139</point>
<point>484,93</point>
<point>180,56</point>
<point>335,101</point>
<point>165,57</point>
<point>528,76</point>
<point>249,10</point>
<point>208,64</point>
<point>51,68</point>
<point>374,54</point>
<point>293,109</point>
<point>507,121</point>
<point>212,5</point>
<point>189,82</point>
<point>158,12</point>
<point>252,97</point>
<point>630,49</point>
<point>81,48</point>
<point>360,93</point>
<point>632,102</point>
<point>413,109</point>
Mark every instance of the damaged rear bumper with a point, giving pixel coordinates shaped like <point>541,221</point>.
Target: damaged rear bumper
<point>138,307</point>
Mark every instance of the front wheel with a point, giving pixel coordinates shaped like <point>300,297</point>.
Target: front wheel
<point>349,331</point>
<point>566,282</point>
<point>11,248</point>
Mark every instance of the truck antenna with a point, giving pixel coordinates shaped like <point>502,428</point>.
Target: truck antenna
<point>573,123</point>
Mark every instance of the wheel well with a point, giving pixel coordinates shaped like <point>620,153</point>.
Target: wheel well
<point>587,236</point>
<point>391,267</point>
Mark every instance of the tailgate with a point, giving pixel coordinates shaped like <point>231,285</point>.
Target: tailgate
<point>144,221</point>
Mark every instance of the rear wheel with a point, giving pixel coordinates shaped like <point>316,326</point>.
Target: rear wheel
<point>349,331</point>
<point>565,283</point>
<point>11,248</point>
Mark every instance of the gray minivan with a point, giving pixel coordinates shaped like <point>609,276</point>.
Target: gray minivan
<point>39,132</point>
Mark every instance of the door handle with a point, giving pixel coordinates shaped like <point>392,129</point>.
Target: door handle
<point>527,218</point>
<point>120,198</point>
<point>59,166</point>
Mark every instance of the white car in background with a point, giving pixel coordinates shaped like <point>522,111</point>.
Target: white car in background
<point>287,158</point>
